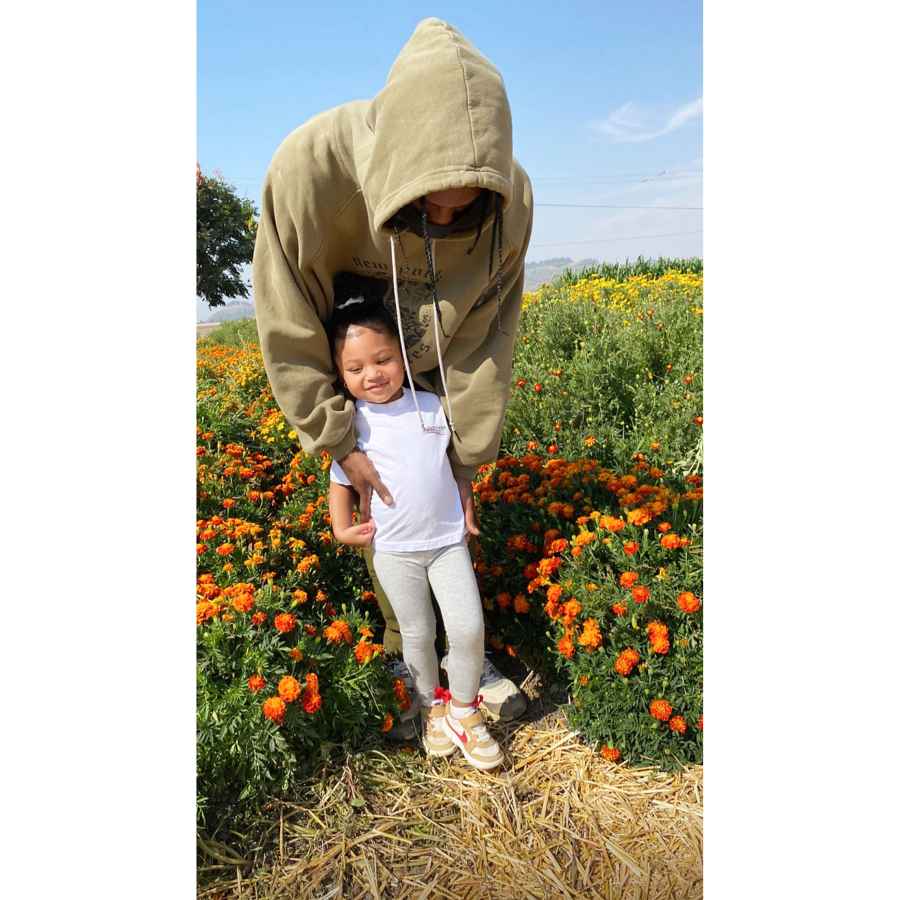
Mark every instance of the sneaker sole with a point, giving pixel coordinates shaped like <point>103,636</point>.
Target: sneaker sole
<point>511,708</point>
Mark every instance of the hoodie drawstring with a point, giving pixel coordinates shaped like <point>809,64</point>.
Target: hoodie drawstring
<point>433,429</point>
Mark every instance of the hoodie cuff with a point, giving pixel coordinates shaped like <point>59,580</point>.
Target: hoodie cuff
<point>461,471</point>
<point>339,451</point>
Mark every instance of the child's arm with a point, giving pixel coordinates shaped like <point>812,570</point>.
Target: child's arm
<point>341,500</point>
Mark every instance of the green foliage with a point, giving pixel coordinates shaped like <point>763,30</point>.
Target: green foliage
<point>622,271</point>
<point>234,333</point>
<point>226,231</point>
<point>621,364</point>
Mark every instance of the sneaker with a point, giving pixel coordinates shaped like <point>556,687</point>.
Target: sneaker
<point>502,700</point>
<point>404,728</point>
<point>470,734</point>
<point>433,735</point>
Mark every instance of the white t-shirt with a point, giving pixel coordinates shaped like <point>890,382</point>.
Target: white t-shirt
<point>413,464</point>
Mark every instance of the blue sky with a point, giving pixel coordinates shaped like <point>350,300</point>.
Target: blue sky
<point>606,101</point>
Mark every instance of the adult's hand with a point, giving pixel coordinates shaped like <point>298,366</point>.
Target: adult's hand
<point>364,478</point>
<point>468,504</point>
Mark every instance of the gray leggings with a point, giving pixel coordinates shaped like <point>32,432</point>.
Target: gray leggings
<point>405,578</point>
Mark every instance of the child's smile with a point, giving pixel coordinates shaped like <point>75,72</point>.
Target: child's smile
<point>371,365</point>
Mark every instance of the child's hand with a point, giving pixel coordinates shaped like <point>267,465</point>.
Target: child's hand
<point>468,504</point>
<point>358,535</point>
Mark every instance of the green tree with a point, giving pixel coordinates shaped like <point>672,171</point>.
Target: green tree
<point>226,231</point>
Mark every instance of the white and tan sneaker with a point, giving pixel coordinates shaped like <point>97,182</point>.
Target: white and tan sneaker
<point>434,738</point>
<point>470,734</point>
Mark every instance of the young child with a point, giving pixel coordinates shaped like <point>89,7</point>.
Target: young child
<point>421,538</point>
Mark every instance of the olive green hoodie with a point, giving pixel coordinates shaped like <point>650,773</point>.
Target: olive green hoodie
<point>337,198</point>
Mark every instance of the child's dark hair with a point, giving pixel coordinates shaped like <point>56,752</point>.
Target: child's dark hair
<point>359,300</point>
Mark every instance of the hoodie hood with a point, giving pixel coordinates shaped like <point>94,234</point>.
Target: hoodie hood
<point>442,121</point>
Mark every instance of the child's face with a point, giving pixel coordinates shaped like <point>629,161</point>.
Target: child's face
<point>370,364</point>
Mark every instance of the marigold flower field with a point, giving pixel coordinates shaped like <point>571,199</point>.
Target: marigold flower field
<point>589,560</point>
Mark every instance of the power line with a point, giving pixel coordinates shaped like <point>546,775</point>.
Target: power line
<point>640,176</point>
<point>636,237</point>
<point>605,206</point>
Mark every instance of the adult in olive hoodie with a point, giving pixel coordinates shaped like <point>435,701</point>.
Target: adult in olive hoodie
<point>376,187</point>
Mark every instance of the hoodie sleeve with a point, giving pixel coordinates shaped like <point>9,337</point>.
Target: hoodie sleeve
<point>291,304</point>
<point>479,372</point>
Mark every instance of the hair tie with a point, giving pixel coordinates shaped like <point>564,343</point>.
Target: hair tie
<point>350,302</point>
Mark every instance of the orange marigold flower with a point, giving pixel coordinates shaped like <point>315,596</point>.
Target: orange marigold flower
<point>228,503</point>
<point>554,592</point>
<point>611,523</point>
<point>296,654</point>
<point>243,602</point>
<point>660,709</point>
<point>590,440</point>
<point>640,593</point>
<point>627,579</point>
<point>300,596</point>
<point>538,388</point>
<point>663,527</point>
<point>520,382</point>
<point>670,541</point>
<point>310,630</point>
<point>258,618</point>
<point>547,566</point>
<point>583,680</point>
<point>401,694</point>
<point>338,631</point>
<point>503,600</point>
<point>289,688</point>
<point>658,633</point>
<point>560,545</point>
<point>388,722</point>
<point>630,547</point>
<point>590,636</point>
<point>520,604</point>
<point>571,608</point>
<point>639,516</point>
<point>225,549</point>
<point>206,610</point>
<point>256,683</point>
<point>700,723</point>
<point>310,697</point>
<point>274,709</point>
<point>619,609</point>
<point>626,661</point>
<point>698,420</point>
<point>610,753</point>
<point>678,724</point>
<point>368,597</point>
<point>285,622</point>
<point>565,646</point>
<point>687,602</point>
<point>364,651</point>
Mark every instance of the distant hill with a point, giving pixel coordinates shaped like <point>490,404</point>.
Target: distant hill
<point>538,273</point>
<point>227,313</point>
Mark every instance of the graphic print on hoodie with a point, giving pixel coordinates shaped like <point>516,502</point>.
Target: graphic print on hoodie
<point>341,186</point>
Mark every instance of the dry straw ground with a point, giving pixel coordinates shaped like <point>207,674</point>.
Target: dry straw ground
<point>556,821</point>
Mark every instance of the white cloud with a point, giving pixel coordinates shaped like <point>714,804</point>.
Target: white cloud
<point>632,124</point>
